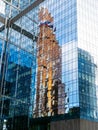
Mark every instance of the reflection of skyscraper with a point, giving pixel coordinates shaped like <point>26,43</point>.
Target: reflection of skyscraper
<point>87,85</point>
<point>5,89</point>
<point>77,34</point>
<point>49,85</point>
<point>22,91</point>
<point>16,88</point>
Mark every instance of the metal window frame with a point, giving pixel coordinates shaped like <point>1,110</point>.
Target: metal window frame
<point>11,22</point>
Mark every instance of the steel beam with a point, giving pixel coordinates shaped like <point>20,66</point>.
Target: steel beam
<point>20,30</point>
<point>23,31</point>
<point>22,13</point>
<point>10,23</point>
<point>25,11</point>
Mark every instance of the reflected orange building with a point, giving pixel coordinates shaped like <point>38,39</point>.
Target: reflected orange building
<point>50,90</point>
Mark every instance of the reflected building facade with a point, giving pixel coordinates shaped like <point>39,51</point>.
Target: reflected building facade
<point>72,34</point>
<point>50,90</point>
<point>49,64</point>
<point>87,85</point>
<point>16,88</point>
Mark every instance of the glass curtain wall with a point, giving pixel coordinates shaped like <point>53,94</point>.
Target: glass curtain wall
<point>48,59</point>
<point>88,57</point>
<point>57,59</point>
<point>67,28</point>
<point>17,64</point>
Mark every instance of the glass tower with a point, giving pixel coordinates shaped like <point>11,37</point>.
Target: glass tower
<point>75,28</point>
<point>48,60</point>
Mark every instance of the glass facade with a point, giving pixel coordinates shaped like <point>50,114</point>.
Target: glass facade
<point>17,65</point>
<point>88,58</point>
<point>48,59</point>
